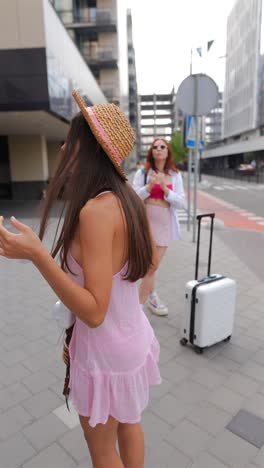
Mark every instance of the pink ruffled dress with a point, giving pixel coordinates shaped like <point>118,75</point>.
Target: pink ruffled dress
<point>113,365</point>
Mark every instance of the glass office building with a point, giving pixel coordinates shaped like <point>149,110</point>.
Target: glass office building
<point>242,68</point>
<point>243,99</point>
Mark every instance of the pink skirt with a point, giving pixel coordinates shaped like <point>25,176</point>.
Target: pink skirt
<point>160,222</point>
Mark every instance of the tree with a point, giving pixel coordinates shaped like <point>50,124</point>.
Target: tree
<point>180,153</point>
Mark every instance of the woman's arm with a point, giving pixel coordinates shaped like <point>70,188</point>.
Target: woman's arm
<point>155,258</point>
<point>142,190</point>
<point>88,303</point>
<point>176,197</point>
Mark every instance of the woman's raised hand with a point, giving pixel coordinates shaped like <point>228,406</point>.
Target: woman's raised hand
<point>25,245</point>
<point>152,181</point>
<point>161,179</point>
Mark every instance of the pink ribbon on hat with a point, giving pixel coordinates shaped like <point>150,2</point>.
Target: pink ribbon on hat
<point>103,134</point>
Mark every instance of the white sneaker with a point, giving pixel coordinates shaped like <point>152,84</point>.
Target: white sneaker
<point>156,306</point>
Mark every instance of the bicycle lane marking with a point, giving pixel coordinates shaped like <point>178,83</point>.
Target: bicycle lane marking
<point>228,214</point>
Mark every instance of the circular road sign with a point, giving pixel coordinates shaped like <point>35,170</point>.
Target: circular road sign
<point>197,94</point>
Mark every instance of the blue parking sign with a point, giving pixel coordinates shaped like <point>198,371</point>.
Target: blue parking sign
<point>191,133</point>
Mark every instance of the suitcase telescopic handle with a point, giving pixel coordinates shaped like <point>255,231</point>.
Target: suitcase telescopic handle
<point>199,217</point>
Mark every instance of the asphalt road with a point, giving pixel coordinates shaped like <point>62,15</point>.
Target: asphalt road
<point>248,196</point>
<point>247,244</point>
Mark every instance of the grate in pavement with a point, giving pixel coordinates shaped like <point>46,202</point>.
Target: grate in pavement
<point>249,427</point>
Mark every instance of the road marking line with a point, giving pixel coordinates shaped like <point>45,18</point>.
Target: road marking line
<point>227,204</point>
<point>230,217</point>
<point>247,214</point>
<point>242,187</point>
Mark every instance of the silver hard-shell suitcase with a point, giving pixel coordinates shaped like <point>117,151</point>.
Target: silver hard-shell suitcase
<point>209,304</point>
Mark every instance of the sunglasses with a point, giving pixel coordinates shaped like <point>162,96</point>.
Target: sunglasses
<point>159,147</point>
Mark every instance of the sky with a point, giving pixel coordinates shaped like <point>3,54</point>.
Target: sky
<point>164,31</point>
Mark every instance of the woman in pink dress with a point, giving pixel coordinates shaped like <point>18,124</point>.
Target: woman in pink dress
<point>105,246</point>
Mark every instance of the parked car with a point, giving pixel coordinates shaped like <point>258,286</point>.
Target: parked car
<point>246,169</point>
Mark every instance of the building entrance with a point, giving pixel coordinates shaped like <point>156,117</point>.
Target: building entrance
<point>5,175</point>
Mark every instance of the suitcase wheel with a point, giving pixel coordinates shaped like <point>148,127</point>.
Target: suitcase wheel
<point>198,350</point>
<point>228,338</point>
<point>183,341</point>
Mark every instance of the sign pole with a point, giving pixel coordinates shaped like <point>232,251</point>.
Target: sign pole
<point>196,96</point>
<point>189,189</point>
<point>200,172</point>
<point>196,156</point>
<point>202,133</point>
<point>196,161</point>
<point>190,141</point>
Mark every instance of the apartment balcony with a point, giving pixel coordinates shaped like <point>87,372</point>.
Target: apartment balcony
<point>99,59</point>
<point>156,116</point>
<point>131,54</point>
<point>133,108</point>
<point>132,71</point>
<point>158,97</point>
<point>132,85</point>
<point>158,125</point>
<point>91,20</point>
<point>133,101</point>
<point>133,96</point>
<point>157,106</point>
<point>111,93</point>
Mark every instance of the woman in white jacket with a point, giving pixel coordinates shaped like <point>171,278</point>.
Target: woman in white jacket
<point>160,185</point>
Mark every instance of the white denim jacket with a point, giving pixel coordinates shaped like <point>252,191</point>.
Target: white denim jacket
<point>175,197</point>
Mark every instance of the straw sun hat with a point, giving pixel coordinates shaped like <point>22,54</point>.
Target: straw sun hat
<point>111,129</point>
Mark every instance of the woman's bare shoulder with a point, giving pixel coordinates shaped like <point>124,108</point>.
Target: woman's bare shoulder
<point>102,208</point>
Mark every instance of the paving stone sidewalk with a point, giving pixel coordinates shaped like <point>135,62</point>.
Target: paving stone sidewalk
<point>185,423</point>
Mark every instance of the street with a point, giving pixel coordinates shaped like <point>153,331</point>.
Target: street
<point>245,195</point>
<point>240,207</point>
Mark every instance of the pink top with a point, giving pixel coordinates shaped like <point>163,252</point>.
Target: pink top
<point>157,192</point>
<point>113,365</point>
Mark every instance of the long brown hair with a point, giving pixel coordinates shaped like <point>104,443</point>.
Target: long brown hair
<point>150,161</point>
<point>84,171</point>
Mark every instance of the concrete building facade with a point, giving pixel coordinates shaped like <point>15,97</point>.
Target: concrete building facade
<point>99,30</point>
<point>39,67</point>
<point>159,117</point>
<point>133,89</point>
